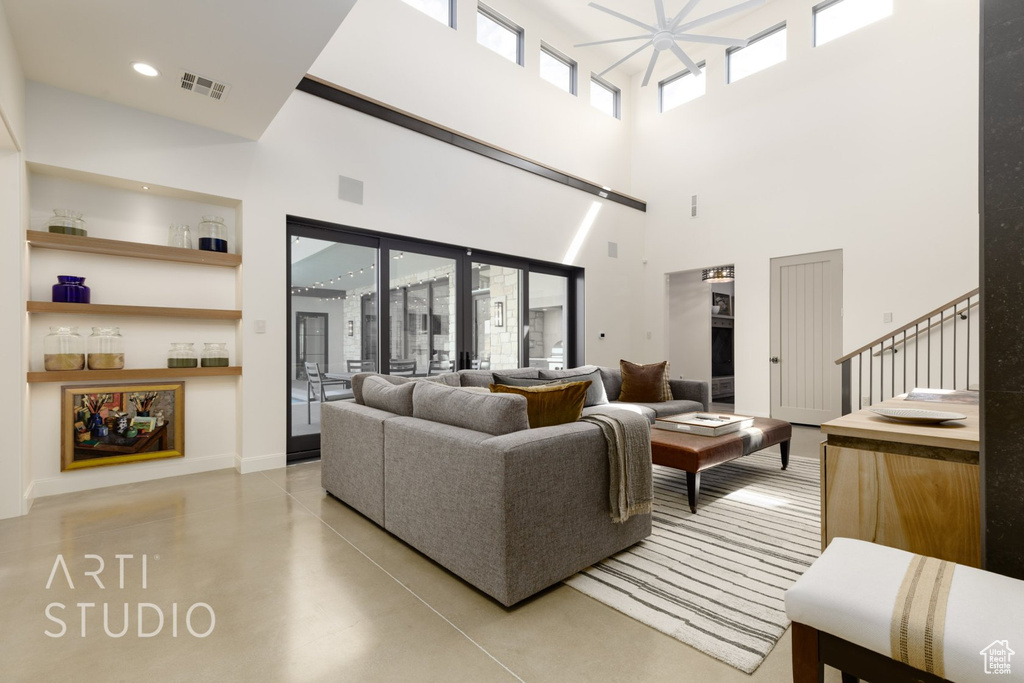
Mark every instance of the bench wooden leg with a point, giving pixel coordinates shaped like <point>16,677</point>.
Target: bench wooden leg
<point>784,447</point>
<point>807,668</point>
<point>849,678</point>
<point>692,489</point>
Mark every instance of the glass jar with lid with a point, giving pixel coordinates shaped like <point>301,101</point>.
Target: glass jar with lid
<point>182,355</point>
<point>106,349</point>
<point>215,355</point>
<point>213,234</point>
<point>67,222</point>
<point>64,349</point>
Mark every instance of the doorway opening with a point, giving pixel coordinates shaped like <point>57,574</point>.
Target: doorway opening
<point>701,333</point>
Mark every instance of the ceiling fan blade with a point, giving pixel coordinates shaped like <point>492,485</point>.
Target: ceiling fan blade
<point>619,15</point>
<point>715,16</point>
<point>713,40</point>
<point>685,59</point>
<point>683,13</point>
<point>650,68</point>
<point>659,9</point>
<point>646,36</point>
<point>631,54</point>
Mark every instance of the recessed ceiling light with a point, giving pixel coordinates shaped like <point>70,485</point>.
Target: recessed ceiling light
<point>145,69</point>
<point>145,187</point>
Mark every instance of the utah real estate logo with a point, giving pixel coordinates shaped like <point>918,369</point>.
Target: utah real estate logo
<point>997,657</point>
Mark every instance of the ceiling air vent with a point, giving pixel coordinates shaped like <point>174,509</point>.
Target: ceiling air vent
<point>201,85</point>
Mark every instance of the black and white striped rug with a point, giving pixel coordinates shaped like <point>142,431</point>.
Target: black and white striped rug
<point>716,579</point>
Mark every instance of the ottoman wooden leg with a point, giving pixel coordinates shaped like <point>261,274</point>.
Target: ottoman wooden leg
<point>692,489</point>
<point>807,668</point>
<point>784,447</point>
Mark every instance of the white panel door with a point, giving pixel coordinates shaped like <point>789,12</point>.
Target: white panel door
<point>806,337</point>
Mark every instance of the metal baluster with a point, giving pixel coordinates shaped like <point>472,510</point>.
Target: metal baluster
<point>860,380</point>
<point>904,360</point>
<point>929,328</point>
<point>871,378</point>
<point>942,349</point>
<point>968,386</point>
<point>917,349</point>
<point>954,346</point>
<point>892,367</point>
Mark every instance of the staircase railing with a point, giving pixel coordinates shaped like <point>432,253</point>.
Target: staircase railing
<point>939,350</point>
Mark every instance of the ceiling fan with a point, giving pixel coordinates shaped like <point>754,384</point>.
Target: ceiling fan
<point>668,32</point>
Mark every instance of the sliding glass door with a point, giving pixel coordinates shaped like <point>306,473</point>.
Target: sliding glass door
<point>421,311</point>
<point>360,301</point>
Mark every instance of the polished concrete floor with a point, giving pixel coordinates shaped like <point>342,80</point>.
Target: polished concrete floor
<point>302,588</point>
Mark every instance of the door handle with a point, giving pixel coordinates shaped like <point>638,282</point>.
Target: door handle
<point>774,359</point>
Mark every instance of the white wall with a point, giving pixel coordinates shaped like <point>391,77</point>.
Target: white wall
<point>15,469</point>
<point>868,144</point>
<point>394,53</point>
<point>414,186</point>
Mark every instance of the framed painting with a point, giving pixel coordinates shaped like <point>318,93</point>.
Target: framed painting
<point>117,424</point>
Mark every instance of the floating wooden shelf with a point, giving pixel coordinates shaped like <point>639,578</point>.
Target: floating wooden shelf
<point>97,245</point>
<point>147,311</point>
<point>131,374</point>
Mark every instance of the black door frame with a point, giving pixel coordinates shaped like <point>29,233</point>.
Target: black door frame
<point>308,445</point>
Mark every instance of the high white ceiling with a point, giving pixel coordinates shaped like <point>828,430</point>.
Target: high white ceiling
<point>579,19</point>
<point>261,48</point>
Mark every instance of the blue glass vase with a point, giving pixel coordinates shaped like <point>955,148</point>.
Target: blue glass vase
<point>70,289</point>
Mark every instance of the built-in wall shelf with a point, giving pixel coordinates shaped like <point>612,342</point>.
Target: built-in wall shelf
<point>155,252</point>
<point>144,311</point>
<point>131,374</point>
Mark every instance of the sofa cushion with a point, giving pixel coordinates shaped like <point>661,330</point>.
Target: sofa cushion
<point>551,404</point>
<point>484,378</point>
<point>382,394</point>
<point>612,379</point>
<point>520,381</point>
<point>450,379</point>
<point>616,407</point>
<point>645,383</point>
<point>596,395</point>
<point>489,413</point>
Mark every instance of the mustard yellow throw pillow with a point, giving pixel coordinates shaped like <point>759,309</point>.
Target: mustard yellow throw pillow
<point>644,383</point>
<point>550,404</point>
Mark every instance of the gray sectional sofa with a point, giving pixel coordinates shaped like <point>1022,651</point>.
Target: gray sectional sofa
<point>461,477</point>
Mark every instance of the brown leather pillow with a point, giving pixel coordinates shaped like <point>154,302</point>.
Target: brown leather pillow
<point>644,383</point>
<point>550,404</point>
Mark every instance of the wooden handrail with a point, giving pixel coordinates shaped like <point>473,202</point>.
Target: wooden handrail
<point>918,333</point>
<point>906,327</point>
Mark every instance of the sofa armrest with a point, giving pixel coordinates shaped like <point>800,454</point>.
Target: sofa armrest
<point>691,390</point>
<point>352,455</point>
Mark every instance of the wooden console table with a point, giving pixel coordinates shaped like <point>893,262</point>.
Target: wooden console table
<point>913,487</point>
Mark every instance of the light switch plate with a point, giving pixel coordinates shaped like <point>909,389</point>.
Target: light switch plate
<point>260,326</point>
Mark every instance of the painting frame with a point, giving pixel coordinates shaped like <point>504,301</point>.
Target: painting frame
<point>724,302</point>
<point>168,439</point>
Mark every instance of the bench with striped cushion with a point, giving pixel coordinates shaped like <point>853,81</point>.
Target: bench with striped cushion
<point>882,614</point>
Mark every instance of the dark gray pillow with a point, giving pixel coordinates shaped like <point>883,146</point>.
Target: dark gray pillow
<point>520,381</point>
<point>383,394</point>
<point>596,394</point>
<point>494,414</point>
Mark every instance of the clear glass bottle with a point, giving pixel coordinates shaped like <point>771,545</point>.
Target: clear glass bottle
<point>106,349</point>
<point>213,234</point>
<point>182,355</point>
<point>215,355</point>
<point>64,349</point>
<point>67,222</point>
<point>179,235</point>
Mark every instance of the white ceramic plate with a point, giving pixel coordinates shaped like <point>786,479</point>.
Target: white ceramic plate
<point>918,416</point>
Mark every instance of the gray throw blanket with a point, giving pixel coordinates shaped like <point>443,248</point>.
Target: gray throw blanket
<point>629,463</point>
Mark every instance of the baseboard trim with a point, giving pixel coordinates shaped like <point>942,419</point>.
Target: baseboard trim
<point>28,498</point>
<point>102,477</point>
<point>259,463</point>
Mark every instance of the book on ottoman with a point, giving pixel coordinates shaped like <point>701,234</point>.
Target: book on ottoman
<point>704,424</point>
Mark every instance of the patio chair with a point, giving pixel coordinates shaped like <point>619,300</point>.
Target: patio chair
<point>316,387</point>
<point>403,367</point>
